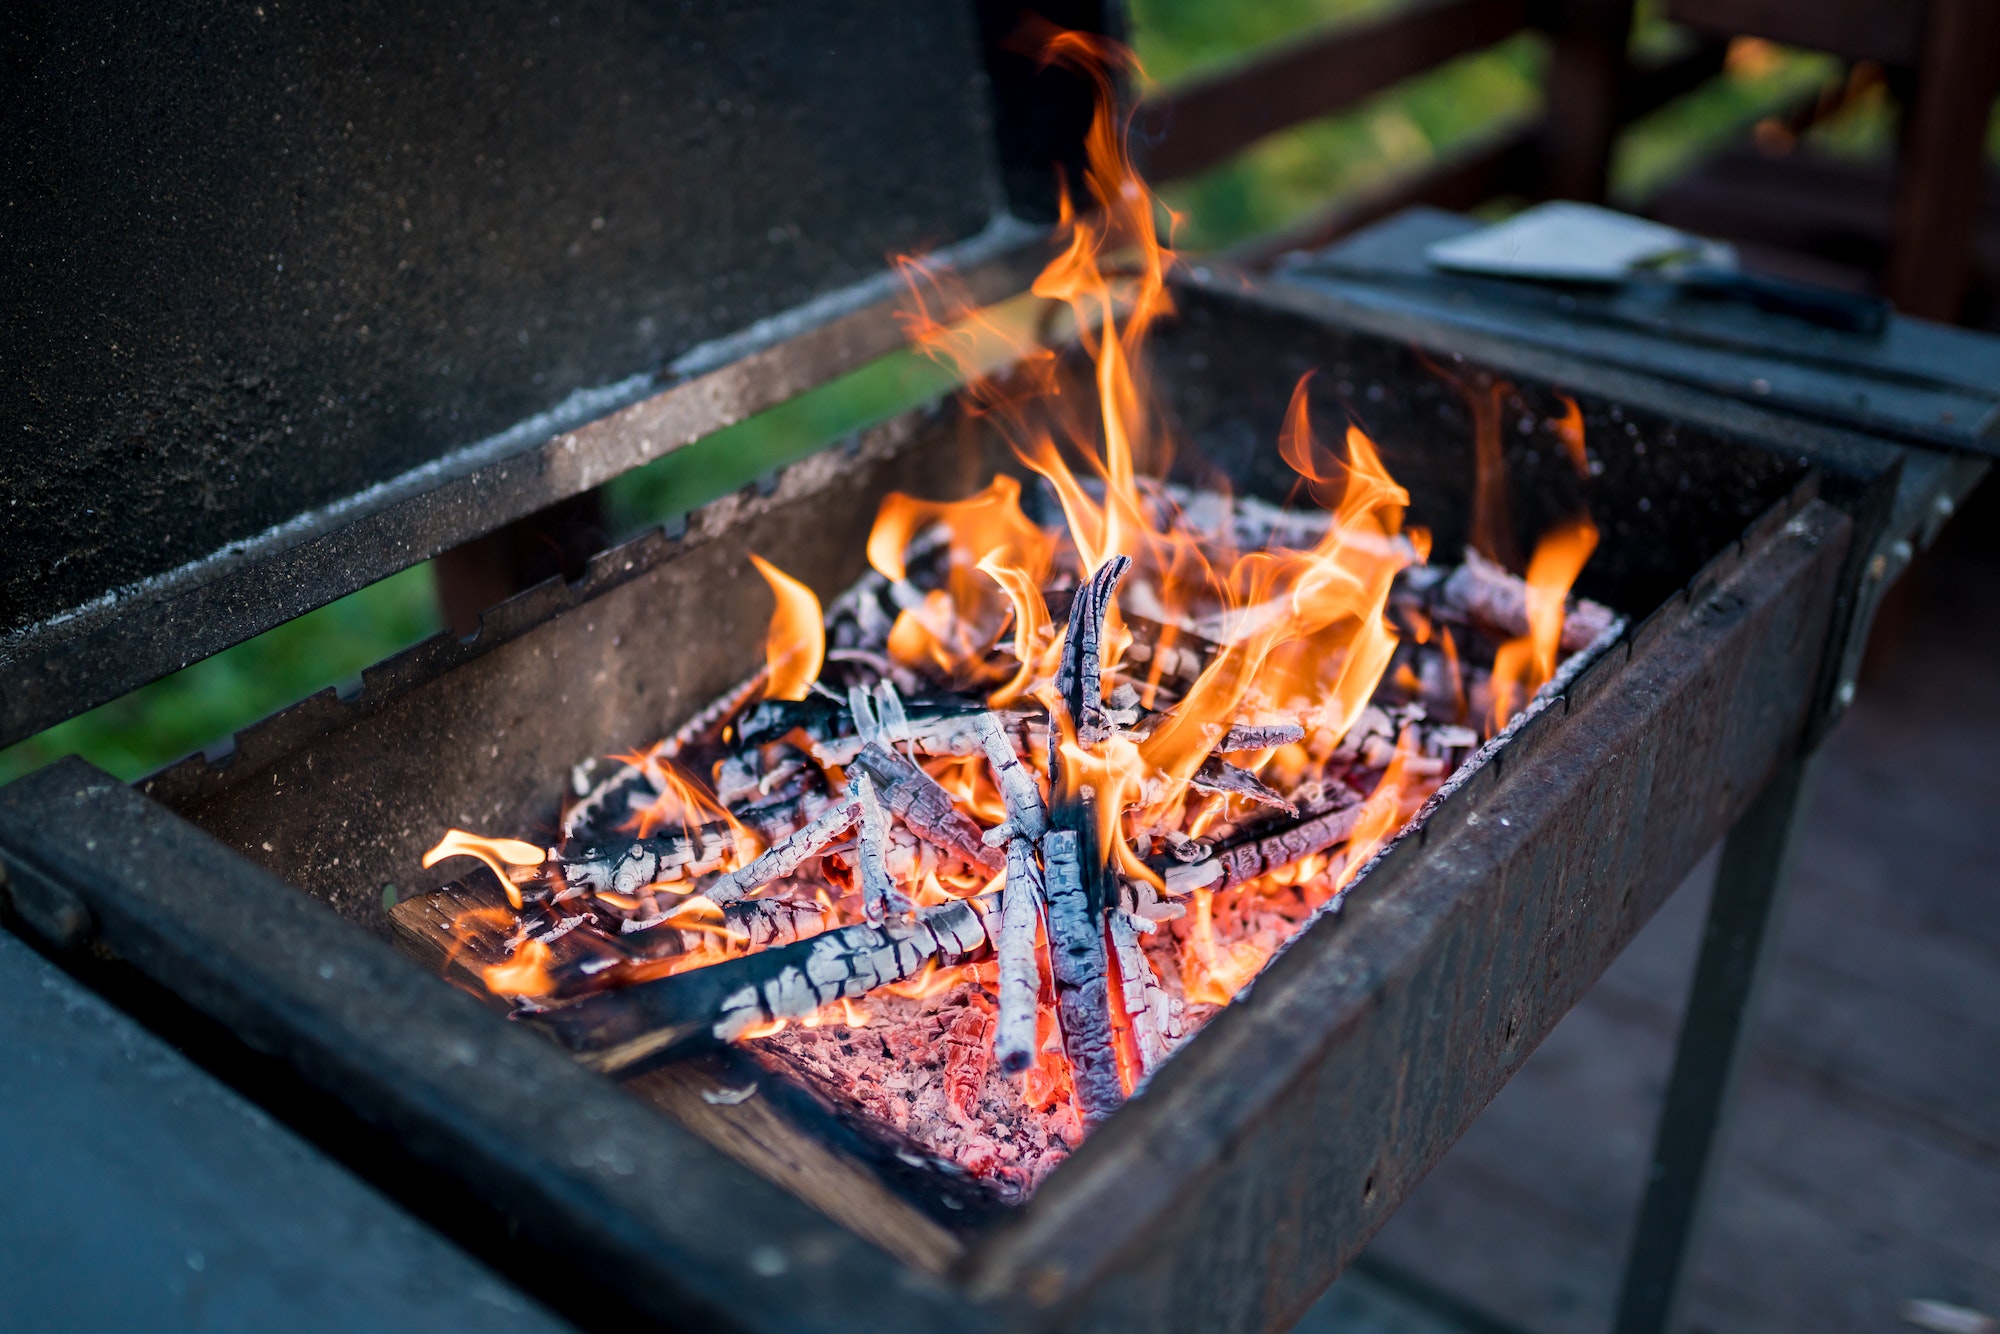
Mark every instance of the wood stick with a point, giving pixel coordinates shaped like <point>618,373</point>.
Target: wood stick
<point>1488,594</point>
<point>1026,811</point>
<point>1078,964</point>
<point>1253,857</point>
<point>628,865</point>
<point>1078,674</point>
<point>620,1028</point>
<point>785,856</point>
<point>1246,737</point>
<point>1147,1005</point>
<point>879,895</point>
<point>926,808</point>
<point>1219,775</point>
<point>1014,1044</point>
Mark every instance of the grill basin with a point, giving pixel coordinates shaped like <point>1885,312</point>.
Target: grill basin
<point>1265,1153</point>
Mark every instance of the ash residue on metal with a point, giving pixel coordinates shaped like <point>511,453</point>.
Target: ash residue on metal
<point>262,258</point>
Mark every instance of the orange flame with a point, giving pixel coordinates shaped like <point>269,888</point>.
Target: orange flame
<point>1383,813</point>
<point>1522,665</point>
<point>525,974</point>
<point>1212,972</point>
<point>497,853</point>
<point>795,649</point>
<point>1569,428</point>
<point>685,801</point>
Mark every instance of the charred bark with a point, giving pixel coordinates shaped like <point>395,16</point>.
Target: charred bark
<point>1078,675</point>
<point>788,853</point>
<point>620,1028</point>
<point>1015,1044</point>
<point>1078,964</point>
<point>1490,597</point>
<point>926,808</point>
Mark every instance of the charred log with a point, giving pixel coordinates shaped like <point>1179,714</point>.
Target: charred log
<point>1244,861</point>
<point>1492,598</point>
<point>1079,968</point>
<point>879,896</point>
<point>1078,676</point>
<point>618,1029</point>
<point>1219,775</point>
<point>788,853</point>
<point>1243,737</point>
<point>627,866</point>
<point>1027,814</point>
<point>1152,1013</point>
<point>1020,970</point>
<point>927,809</point>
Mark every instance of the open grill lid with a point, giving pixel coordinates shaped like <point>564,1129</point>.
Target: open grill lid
<point>296,299</point>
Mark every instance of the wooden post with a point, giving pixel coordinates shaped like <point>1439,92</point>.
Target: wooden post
<point>1586,72</point>
<point>1941,172</point>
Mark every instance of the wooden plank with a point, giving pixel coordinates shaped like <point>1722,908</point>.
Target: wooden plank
<point>1943,159</point>
<point>1583,90</point>
<point>1889,31</point>
<point>1193,127</point>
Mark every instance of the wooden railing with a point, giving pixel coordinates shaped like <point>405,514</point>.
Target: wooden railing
<point>1953,47</point>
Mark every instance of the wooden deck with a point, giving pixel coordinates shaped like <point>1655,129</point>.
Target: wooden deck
<point>1862,1167</point>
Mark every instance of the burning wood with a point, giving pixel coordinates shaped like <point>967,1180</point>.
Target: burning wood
<point>1020,965</point>
<point>785,856</point>
<point>1123,654</point>
<point>879,895</point>
<point>925,807</point>
<point>1077,681</point>
<point>1077,962</point>
<point>615,1029</point>
<point>1489,596</point>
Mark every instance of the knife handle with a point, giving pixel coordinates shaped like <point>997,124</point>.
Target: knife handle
<point>1827,307</point>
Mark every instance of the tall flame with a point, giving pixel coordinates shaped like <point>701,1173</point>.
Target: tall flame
<point>1523,665</point>
<point>1298,629</point>
<point>795,649</point>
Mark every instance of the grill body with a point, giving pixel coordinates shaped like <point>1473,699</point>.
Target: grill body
<point>1262,1157</point>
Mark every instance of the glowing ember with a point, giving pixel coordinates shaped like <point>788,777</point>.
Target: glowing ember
<point>1182,722</point>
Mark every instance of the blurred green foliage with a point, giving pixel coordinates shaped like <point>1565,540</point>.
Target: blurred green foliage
<point>136,734</point>
<point>1273,183</point>
<point>740,454</point>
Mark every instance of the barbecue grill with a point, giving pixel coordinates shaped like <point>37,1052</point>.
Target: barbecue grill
<point>238,903</point>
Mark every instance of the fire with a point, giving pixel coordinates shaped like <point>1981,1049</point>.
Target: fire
<point>497,853</point>
<point>684,801</point>
<point>525,974</point>
<point>1212,972</point>
<point>1257,677</point>
<point>1522,665</point>
<point>795,649</point>
<point>1382,814</point>
<point>1569,427</point>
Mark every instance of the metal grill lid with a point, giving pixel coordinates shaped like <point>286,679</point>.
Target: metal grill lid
<point>279,277</point>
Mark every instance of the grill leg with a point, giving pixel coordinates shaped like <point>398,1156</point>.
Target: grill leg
<point>1736,946</point>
